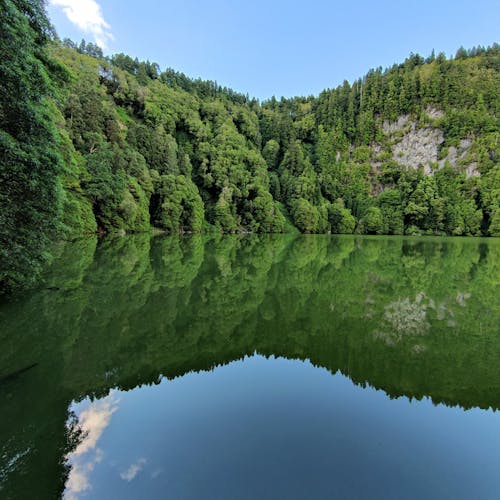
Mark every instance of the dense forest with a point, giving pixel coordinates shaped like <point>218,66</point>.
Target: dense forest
<point>112,144</point>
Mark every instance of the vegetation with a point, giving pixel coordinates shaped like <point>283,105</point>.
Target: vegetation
<point>91,143</point>
<point>414,317</point>
<point>30,166</point>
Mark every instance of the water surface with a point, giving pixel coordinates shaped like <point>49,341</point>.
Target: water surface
<point>255,367</point>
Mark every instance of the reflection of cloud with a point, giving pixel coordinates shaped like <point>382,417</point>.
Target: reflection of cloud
<point>78,480</point>
<point>133,470</point>
<point>156,473</point>
<point>93,421</point>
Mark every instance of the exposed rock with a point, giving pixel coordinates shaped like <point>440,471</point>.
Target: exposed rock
<point>456,157</point>
<point>434,113</point>
<point>472,171</point>
<point>456,154</point>
<point>391,127</point>
<point>419,147</point>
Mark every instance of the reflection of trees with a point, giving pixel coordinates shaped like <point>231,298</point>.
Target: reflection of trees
<point>132,309</point>
<point>410,318</point>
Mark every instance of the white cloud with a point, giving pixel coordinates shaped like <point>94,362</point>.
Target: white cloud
<point>133,470</point>
<point>87,15</point>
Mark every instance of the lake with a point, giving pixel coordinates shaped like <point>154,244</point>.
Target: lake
<point>241,367</point>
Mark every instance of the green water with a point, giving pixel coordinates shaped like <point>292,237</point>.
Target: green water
<point>255,367</point>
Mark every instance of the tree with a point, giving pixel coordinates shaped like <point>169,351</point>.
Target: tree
<point>305,216</point>
<point>121,146</point>
<point>224,218</point>
<point>372,222</point>
<point>271,154</point>
<point>106,188</point>
<point>178,206</point>
<point>30,193</point>
<point>494,228</point>
<point>389,202</point>
<point>340,218</point>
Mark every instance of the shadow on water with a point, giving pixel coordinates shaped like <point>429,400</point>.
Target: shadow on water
<point>14,375</point>
<point>414,317</point>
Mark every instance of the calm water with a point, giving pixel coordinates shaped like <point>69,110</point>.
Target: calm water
<point>255,367</point>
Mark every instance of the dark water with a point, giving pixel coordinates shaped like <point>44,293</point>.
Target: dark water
<point>255,367</point>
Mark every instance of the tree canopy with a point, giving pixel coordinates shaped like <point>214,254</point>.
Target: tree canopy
<point>91,143</point>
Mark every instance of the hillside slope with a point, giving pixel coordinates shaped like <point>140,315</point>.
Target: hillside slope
<point>92,144</point>
<point>410,150</point>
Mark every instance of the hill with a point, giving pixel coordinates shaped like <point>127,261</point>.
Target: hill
<point>92,144</point>
<point>413,149</point>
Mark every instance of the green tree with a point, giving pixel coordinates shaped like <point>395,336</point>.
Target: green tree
<point>494,228</point>
<point>30,191</point>
<point>372,222</point>
<point>390,204</point>
<point>271,154</point>
<point>340,218</point>
<point>178,206</point>
<point>305,215</point>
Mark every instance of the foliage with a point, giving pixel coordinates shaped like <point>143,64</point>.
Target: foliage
<point>340,218</point>
<point>30,188</point>
<point>372,222</point>
<point>92,143</point>
<point>177,206</point>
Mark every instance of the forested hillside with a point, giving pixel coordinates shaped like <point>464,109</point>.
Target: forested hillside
<point>410,150</point>
<point>113,144</point>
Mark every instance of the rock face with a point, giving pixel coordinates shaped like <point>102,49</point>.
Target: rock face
<point>434,113</point>
<point>415,147</point>
<point>457,156</point>
<point>390,127</point>
<point>419,148</point>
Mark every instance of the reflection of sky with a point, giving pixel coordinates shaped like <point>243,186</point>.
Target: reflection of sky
<point>93,420</point>
<point>275,428</point>
<point>133,470</point>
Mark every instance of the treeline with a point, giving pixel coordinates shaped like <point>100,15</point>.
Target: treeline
<point>145,70</point>
<point>92,143</point>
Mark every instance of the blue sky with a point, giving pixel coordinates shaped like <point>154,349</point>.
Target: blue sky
<point>277,47</point>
